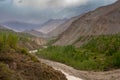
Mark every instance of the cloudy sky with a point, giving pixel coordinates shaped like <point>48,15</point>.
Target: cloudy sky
<point>39,11</point>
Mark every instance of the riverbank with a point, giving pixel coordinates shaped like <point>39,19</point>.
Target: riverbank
<point>84,75</point>
<point>73,74</point>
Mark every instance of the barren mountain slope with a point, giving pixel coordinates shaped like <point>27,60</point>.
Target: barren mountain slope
<point>46,30</point>
<point>60,29</point>
<point>104,20</point>
<point>50,25</point>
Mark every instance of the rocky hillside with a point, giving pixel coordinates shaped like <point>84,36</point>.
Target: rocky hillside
<point>32,43</point>
<point>17,64</point>
<point>25,40</point>
<point>104,20</point>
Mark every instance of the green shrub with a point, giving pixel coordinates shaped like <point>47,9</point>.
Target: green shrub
<point>12,40</point>
<point>8,41</point>
<point>100,53</point>
<point>116,60</point>
<point>24,51</point>
<point>33,58</point>
<point>104,44</point>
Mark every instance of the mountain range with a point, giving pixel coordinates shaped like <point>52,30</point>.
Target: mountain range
<point>19,26</point>
<point>61,28</point>
<point>102,21</point>
<point>50,25</point>
<point>46,29</point>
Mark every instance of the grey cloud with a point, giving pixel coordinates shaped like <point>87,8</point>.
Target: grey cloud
<point>26,14</point>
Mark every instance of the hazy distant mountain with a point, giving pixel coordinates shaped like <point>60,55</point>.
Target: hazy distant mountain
<point>34,29</point>
<point>2,27</point>
<point>45,29</point>
<point>104,20</point>
<point>61,28</point>
<point>35,33</point>
<point>50,25</point>
<point>20,26</point>
<point>5,29</point>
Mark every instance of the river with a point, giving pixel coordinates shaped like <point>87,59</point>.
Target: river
<point>59,67</point>
<point>73,74</point>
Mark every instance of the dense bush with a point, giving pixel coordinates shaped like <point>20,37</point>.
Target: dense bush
<point>100,53</point>
<point>8,41</point>
<point>104,44</point>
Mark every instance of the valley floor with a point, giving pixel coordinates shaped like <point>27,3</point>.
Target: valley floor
<point>85,75</point>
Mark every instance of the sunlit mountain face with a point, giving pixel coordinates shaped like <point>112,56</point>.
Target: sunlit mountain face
<point>40,11</point>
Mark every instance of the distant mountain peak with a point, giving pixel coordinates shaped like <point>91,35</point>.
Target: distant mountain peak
<point>50,25</point>
<point>19,26</point>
